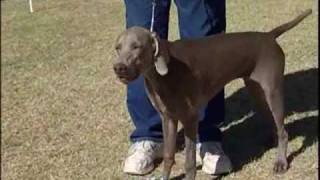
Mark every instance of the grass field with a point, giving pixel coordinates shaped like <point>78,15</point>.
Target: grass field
<point>63,113</point>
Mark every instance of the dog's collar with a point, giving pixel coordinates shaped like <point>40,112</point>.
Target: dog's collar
<point>156,51</point>
<point>160,61</point>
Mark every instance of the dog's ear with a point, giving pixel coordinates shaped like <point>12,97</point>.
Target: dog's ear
<point>160,55</point>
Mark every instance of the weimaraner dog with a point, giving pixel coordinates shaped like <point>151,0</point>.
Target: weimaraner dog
<point>183,75</point>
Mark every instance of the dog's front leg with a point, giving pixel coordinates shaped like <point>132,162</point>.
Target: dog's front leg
<point>190,133</point>
<point>169,127</point>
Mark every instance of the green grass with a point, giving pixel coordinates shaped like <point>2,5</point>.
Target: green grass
<point>64,114</point>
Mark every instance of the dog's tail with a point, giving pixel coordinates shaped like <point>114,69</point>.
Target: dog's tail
<point>276,32</point>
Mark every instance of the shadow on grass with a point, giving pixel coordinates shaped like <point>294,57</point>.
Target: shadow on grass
<point>251,138</point>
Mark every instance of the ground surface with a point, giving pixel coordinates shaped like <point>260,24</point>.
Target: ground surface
<point>63,113</point>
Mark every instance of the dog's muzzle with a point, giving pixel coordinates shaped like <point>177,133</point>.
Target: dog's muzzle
<point>125,73</point>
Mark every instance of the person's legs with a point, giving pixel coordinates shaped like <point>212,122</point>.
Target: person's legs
<point>147,136</point>
<point>145,118</point>
<point>214,112</point>
<point>200,18</point>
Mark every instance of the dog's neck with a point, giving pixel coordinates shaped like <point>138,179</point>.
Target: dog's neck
<point>163,52</point>
<point>172,62</point>
<point>164,46</point>
<point>177,70</point>
<point>152,75</point>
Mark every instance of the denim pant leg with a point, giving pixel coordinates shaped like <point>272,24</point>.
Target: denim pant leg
<point>145,118</point>
<point>198,18</point>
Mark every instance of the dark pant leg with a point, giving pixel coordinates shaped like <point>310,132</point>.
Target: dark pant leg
<point>198,18</point>
<point>145,118</point>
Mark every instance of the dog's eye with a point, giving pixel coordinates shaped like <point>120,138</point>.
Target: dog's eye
<point>118,47</point>
<point>136,46</point>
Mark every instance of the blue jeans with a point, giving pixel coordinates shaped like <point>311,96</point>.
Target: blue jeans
<point>197,18</point>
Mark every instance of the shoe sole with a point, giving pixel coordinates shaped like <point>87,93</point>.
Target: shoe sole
<point>216,173</point>
<point>133,172</point>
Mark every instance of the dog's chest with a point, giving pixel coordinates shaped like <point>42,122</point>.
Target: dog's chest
<point>174,93</point>
<point>173,104</point>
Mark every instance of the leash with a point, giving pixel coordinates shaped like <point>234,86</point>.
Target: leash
<point>151,26</point>
<point>160,64</point>
<point>152,17</point>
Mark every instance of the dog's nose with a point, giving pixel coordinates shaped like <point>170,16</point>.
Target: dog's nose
<point>120,68</point>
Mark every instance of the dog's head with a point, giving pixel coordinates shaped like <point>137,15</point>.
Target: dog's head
<point>138,50</point>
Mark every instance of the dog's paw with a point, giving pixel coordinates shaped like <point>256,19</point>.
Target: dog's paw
<point>280,166</point>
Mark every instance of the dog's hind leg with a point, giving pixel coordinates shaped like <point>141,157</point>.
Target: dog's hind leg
<point>269,95</point>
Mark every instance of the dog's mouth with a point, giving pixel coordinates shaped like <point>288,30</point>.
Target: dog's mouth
<point>126,73</point>
<point>127,76</point>
<point>124,80</point>
<point>127,79</point>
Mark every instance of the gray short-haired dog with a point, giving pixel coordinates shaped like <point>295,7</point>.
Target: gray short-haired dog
<point>183,75</point>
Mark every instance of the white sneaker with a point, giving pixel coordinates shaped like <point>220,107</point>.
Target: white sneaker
<point>214,160</point>
<point>141,156</point>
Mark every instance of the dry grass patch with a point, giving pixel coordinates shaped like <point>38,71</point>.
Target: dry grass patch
<point>64,114</point>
